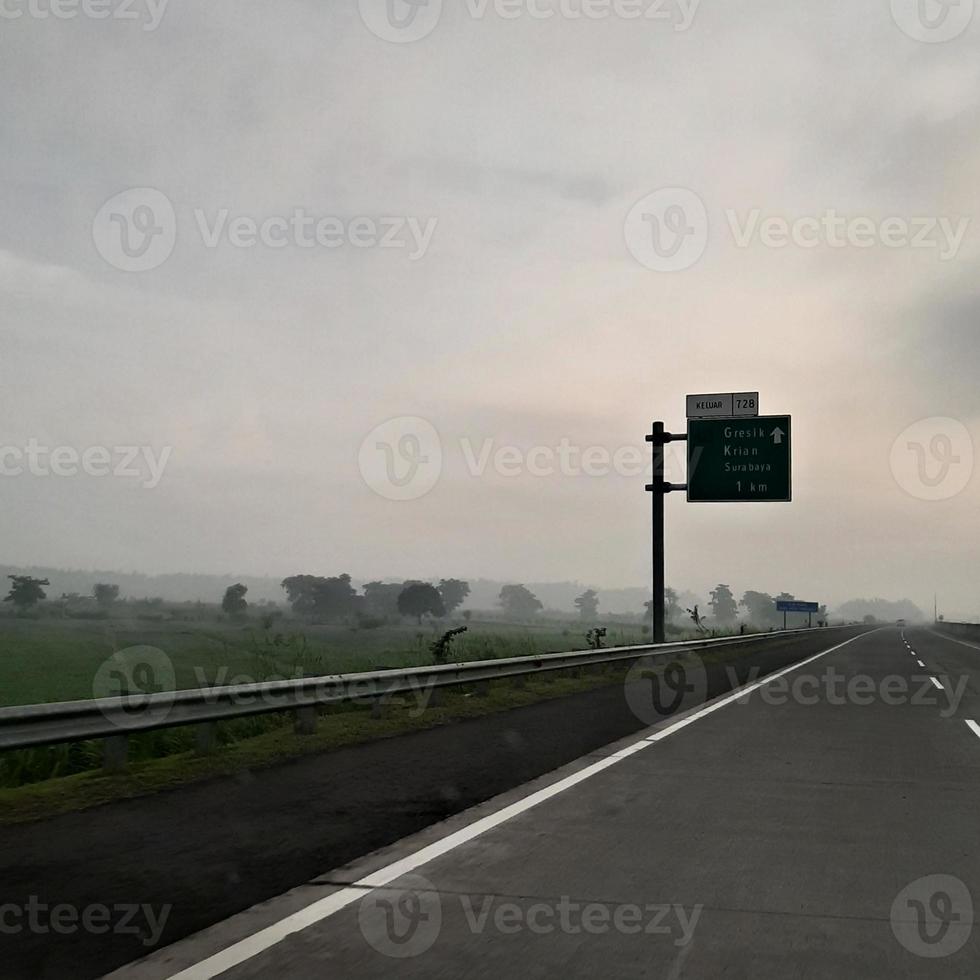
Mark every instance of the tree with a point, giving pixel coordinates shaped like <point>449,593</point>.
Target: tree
<point>453,592</point>
<point>519,603</point>
<point>421,599</point>
<point>325,598</point>
<point>105,595</point>
<point>381,598</point>
<point>299,592</point>
<point>333,598</point>
<point>26,591</point>
<point>760,608</point>
<point>234,603</point>
<point>588,604</point>
<point>723,606</point>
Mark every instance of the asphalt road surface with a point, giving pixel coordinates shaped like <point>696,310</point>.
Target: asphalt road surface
<point>823,824</point>
<point>194,856</point>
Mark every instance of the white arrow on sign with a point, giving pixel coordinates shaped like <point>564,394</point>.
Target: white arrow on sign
<point>777,435</point>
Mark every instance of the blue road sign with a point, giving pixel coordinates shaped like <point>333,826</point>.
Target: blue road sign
<point>794,605</point>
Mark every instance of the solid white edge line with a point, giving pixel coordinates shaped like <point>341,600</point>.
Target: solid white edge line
<point>251,946</point>
<point>934,681</point>
<point>974,727</point>
<point>952,639</point>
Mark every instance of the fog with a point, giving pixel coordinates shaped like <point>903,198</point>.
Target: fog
<point>438,232</point>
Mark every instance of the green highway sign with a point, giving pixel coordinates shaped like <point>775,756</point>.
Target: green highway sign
<point>737,459</point>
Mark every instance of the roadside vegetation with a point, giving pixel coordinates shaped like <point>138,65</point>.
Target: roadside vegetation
<point>56,649</point>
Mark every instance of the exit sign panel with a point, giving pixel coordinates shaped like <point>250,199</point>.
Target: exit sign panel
<point>731,460</point>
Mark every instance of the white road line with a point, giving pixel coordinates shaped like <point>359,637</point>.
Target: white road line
<point>920,663</point>
<point>952,639</point>
<point>262,940</point>
<point>974,727</point>
<point>934,681</point>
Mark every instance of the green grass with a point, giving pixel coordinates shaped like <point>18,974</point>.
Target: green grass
<point>47,659</point>
<point>43,660</point>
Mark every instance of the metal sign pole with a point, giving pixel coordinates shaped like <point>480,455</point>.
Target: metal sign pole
<point>660,488</point>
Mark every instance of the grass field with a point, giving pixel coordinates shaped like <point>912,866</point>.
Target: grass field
<point>43,660</point>
<point>49,659</point>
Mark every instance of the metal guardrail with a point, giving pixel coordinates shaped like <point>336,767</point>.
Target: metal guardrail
<point>116,718</point>
<point>964,630</point>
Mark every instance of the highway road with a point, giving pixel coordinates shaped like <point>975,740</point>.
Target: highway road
<point>819,823</point>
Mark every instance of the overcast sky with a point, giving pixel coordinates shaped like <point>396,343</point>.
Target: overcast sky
<point>498,201</point>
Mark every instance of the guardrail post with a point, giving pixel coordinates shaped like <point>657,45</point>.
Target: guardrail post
<point>115,752</point>
<point>304,720</point>
<point>378,707</point>
<point>206,737</point>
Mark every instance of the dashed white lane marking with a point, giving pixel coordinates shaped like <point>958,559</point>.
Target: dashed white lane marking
<point>974,727</point>
<point>262,940</point>
<point>920,663</point>
<point>934,681</point>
